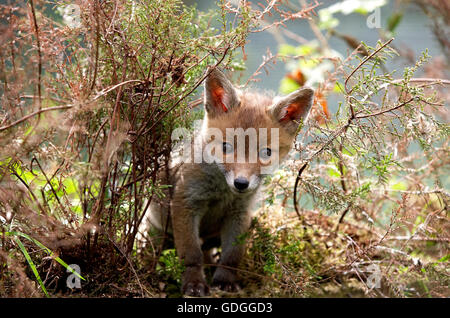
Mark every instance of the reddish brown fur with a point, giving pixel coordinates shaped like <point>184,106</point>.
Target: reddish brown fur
<point>206,202</point>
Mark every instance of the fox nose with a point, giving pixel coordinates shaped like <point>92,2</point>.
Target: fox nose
<point>241,183</point>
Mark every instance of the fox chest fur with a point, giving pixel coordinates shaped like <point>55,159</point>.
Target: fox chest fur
<point>206,192</point>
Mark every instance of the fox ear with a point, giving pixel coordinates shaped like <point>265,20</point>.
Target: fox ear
<point>220,94</point>
<point>289,110</point>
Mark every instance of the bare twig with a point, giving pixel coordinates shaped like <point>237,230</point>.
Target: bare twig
<point>40,111</point>
<point>297,180</point>
<point>36,30</point>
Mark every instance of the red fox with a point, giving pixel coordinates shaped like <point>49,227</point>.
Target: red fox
<point>210,199</point>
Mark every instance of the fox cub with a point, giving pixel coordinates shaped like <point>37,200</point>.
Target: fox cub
<point>210,199</point>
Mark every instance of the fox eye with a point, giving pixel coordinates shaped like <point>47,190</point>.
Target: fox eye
<point>265,153</point>
<point>227,148</point>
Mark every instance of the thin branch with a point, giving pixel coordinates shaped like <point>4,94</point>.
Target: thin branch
<point>286,16</point>
<point>385,110</point>
<point>107,90</point>
<point>36,30</point>
<point>40,111</point>
<point>297,180</point>
<point>188,92</point>
<point>363,62</point>
<point>97,40</point>
<point>266,60</point>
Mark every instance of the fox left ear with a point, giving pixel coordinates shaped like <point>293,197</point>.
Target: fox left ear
<point>289,110</point>
<point>220,94</point>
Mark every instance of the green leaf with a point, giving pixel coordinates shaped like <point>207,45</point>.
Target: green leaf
<point>70,186</point>
<point>362,11</point>
<point>32,266</point>
<point>238,66</point>
<point>394,21</point>
<point>288,85</point>
<point>59,260</point>
<point>399,186</point>
<point>444,259</point>
<point>338,88</point>
<point>333,172</point>
<point>326,20</point>
<point>286,49</point>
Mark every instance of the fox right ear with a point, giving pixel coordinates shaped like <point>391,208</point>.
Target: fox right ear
<point>220,94</point>
<point>293,108</point>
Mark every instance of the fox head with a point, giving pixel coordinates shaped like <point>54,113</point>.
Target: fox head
<point>257,129</point>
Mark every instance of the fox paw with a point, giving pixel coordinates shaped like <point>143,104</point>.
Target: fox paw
<point>231,287</point>
<point>194,283</point>
<point>225,279</point>
<point>195,289</point>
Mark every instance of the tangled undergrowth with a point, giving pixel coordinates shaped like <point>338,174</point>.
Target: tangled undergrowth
<point>360,209</point>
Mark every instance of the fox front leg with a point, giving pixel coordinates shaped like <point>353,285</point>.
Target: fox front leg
<point>232,252</point>
<point>187,243</point>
